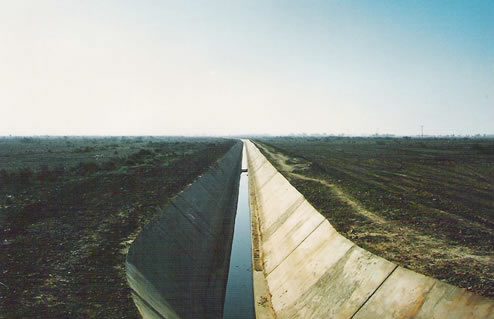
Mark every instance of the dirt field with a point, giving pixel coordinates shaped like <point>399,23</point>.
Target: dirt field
<point>426,204</point>
<point>69,209</point>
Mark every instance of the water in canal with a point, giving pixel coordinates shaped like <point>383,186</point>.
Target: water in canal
<point>239,300</point>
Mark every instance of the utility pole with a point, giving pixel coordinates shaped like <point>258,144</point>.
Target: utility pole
<point>422,130</point>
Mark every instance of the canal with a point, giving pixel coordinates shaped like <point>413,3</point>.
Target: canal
<point>239,300</point>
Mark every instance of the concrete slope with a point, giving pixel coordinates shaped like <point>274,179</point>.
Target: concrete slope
<point>178,265</point>
<point>311,271</point>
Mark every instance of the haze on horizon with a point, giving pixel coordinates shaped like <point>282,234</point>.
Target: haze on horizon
<point>243,67</point>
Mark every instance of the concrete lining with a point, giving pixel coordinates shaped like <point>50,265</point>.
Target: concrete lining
<point>311,271</point>
<point>178,265</point>
<point>276,208</point>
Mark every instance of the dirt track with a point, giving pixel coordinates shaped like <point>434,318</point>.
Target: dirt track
<point>409,245</point>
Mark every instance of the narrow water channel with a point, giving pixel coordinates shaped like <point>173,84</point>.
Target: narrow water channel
<point>239,300</point>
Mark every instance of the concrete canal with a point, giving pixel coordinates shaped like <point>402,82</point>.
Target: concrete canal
<point>239,300</point>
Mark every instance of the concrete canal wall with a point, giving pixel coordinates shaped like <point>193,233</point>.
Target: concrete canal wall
<point>303,268</point>
<point>177,266</point>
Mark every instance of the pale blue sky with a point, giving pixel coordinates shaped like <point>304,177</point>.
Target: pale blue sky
<point>232,67</point>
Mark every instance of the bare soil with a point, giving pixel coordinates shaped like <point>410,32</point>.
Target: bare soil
<point>433,218</point>
<point>70,208</point>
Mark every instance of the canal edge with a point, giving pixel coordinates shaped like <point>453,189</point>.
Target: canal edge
<point>262,296</point>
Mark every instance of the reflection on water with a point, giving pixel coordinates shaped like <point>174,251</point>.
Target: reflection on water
<point>239,301</point>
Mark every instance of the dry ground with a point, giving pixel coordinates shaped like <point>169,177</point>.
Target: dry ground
<point>413,231</point>
<point>69,208</point>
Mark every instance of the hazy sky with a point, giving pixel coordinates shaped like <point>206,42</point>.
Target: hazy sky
<point>228,67</point>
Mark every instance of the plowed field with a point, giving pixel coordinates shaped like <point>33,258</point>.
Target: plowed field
<point>426,204</point>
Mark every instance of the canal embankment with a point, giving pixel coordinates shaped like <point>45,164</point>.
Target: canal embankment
<point>178,265</point>
<point>303,268</point>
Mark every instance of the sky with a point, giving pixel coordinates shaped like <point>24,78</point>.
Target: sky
<point>157,67</point>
